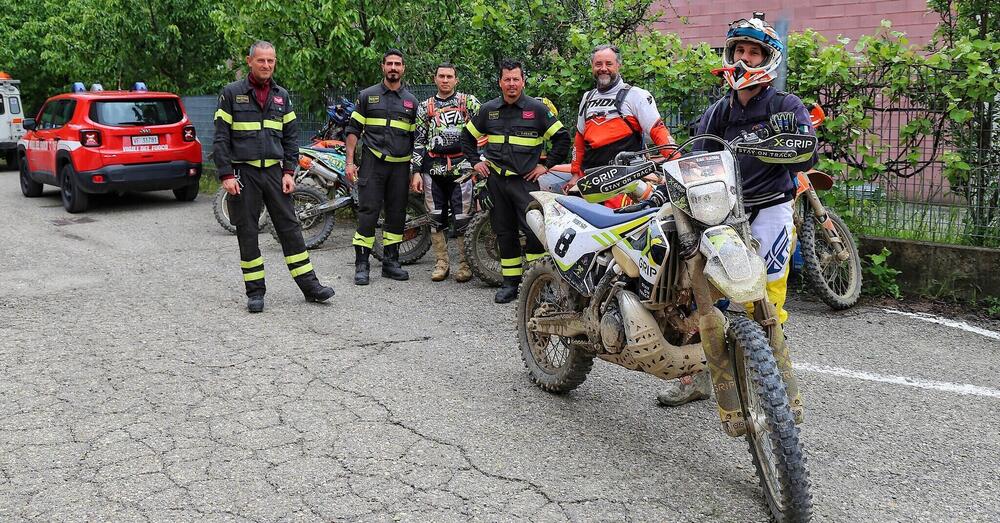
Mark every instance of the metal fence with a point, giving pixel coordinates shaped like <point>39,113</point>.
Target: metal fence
<point>936,179</point>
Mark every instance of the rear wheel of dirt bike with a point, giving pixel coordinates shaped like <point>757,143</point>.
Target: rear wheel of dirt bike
<point>317,229</point>
<point>220,207</point>
<point>554,365</point>
<point>416,238</point>
<point>771,432</point>
<point>481,251</point>
<point>837,283</point>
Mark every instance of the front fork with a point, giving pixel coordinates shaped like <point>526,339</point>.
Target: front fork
<point>819,211</point>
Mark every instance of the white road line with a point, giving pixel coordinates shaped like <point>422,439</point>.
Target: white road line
<point>958,388</point>
<point>945,321</point>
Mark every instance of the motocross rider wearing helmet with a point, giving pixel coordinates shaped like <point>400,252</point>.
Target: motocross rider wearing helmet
<point>751,58</point>
<point>437,162</point>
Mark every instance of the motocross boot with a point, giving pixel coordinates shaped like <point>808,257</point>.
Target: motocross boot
<point>361,266</point>
<point>390,264</point>
<point>508,291</point>
<point>686,389</point>
<point>255,303</point>
<point>463,274</point>
<point>441,268</point>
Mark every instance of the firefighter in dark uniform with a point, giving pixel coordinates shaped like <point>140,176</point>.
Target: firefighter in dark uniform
<point>255,151</point>
<point>516,127</point>
<point>384,118</point>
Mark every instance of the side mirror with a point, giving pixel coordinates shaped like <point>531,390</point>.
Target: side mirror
<point>28,124</point>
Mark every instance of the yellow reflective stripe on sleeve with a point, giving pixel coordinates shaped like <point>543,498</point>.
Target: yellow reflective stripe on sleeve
<point>377,121</point>
<point>389,238</point>
<point>252,263</point>
<point>515,271</point>
<point>288,117</point>
<point>301,270</point>
<point>297,257</point>
<point>553,129</point>
<point>510,262</point>
<point>254,276</point>
<point>246,126</point>
<point>363,241</point>
<point>473,131</point>
<point>402,125</point>
<point>226,117</point>
<point>273,124</point>
<point>360,119</point>
<point>259,163</point>
<point>532,256</point>
<point>386,157</point>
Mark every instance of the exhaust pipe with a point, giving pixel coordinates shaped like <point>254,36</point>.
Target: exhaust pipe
<point>536,222</point>
<point>324,172</point>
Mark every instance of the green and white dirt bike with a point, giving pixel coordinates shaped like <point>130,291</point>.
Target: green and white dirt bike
<point>638,289</point>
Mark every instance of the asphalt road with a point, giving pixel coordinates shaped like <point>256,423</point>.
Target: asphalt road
<point>135,386</point>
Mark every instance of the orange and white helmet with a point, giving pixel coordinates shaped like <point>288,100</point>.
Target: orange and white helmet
<point>755,30</point>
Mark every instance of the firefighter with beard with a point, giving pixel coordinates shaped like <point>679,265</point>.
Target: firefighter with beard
<point>384,118</point>
<point>438,161</point>
<point>255,151</point>
<point>516,127</point>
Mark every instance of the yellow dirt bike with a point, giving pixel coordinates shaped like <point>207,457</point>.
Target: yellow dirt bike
<point>638,288</point>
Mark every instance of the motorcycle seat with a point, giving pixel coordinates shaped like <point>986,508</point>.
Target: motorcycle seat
<point>598,215</point>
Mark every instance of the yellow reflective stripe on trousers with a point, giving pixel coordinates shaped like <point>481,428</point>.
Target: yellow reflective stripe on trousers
<point>273,124</point>
<point>473,131</point>
<point>301,270</point>
<point>553,129</point>
<point>252,263</point>
<point>389,238</point>
<point>246,126</point>
<point>510,262</point>
<point>516,140</point>
<point>402,125</point>
<point>511,271</point>
<point>226,117</point>
<point>297,257</point>
<point>363,241</point>
<point>530,257</point>
<point>288,117</point>
<point>259,163</point>
<point>254,276</point>
<point>360,119</point>
<point>386,157</point>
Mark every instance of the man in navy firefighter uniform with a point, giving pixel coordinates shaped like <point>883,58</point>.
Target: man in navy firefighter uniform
<point>255,150</point>
<point>385,119</point>
<point>516,127</point>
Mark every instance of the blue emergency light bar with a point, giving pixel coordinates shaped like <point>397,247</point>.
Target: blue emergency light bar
<point>139,86</point>
<point>78,87</point>
<point>96,88</point>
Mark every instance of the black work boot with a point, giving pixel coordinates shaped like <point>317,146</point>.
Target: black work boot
<point>255,303</point>
<point>312,289</point>
<point>508,291</point>
<point>390,264</point>
<point>361,266</point>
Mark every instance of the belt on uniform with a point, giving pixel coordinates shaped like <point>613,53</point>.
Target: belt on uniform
<point>386,157</point>
<point>259,163</point>
<point>502,171</point>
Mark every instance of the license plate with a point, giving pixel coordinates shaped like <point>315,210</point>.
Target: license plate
<point>145,140</point>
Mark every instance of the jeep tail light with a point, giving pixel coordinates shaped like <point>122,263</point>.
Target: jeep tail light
<point>189,133</point>
<point>90,138</point>
<point>305,162</point>
<point>98,178</point>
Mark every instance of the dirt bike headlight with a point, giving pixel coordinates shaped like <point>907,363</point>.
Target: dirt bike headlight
<point>710,202</point>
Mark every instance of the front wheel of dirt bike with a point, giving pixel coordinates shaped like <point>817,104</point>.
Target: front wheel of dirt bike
<point>772,434</point>
<point>220,207</point>
<point>416,235</point>
<point>481,251</point>
<point>837,283</point>
<point>316,229</point>
<point>554,365</point>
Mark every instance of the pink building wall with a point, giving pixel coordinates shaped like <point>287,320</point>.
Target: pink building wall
<point>707,21</point>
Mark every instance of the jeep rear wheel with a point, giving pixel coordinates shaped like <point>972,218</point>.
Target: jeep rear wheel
<point>187,193</point>
<point>73,198</point>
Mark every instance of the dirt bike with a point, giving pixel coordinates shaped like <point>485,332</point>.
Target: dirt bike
<point>638,289</point>
<point>831,262</point>
<point>322,188</point>
<point>338,115</point>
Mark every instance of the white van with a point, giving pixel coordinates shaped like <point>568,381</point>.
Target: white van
<point>11,116</point>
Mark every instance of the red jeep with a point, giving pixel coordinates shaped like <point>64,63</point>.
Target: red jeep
<point>110,141</point>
